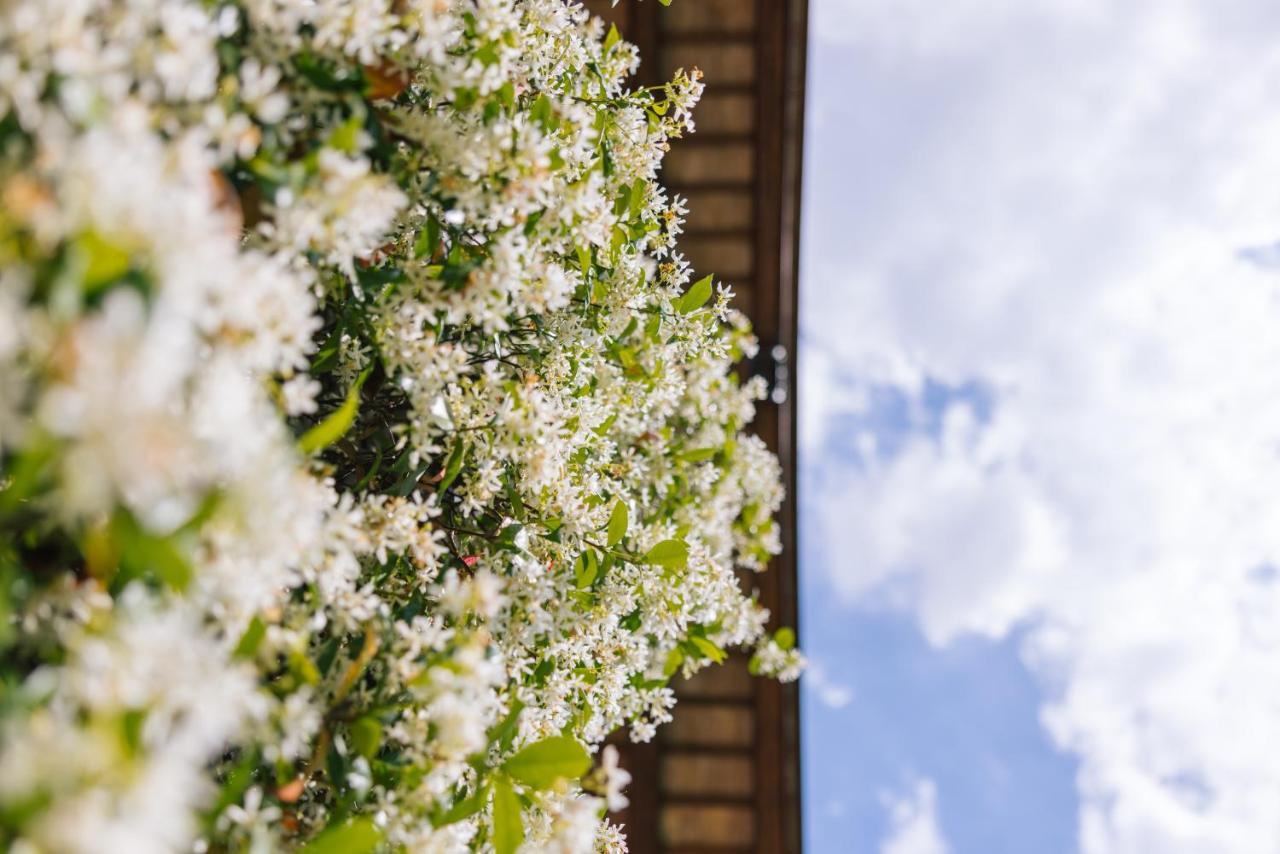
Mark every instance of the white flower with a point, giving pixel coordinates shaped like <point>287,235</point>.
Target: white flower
<point>574,828</point>
<point>616,779</point>
<point>481,594</point>
<point>251,813</point>
<point>360,777</point>
<point>258,89</point>
<point>300,395</point>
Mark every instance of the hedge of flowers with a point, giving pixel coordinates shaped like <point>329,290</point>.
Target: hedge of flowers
<point>367,453</point>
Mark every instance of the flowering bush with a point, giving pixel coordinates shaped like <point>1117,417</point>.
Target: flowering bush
<point>367,455</point>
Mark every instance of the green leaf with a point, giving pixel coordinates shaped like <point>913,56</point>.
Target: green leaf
<point>541,111</point>
<point>637,197</point>
<point>251,638</point>
<point>785,638</point>
<point>366,735</point>
<point>237,782</point>
<point>604,426</point>
<point>338,423</point>
<point>25,474</point>
<point>607,166</point>
<point>131,723</point>
<point>617,524</point>
<point>504,731</point>
<point>544,762</point>
<point>487,53</point>
<point>612,38</point>
<point>428,239</point>
<point>507,94</point>
<point>543,670</point>
<point>104,262</point>
<point>513,495</point>
<point>623,203</point>
<point>453,465</point>
<point>304,668</point>
<point>465,98</point>
<point>585,569</point>
<point>358,836</point>
<point>672,554</point>
<point>619,237</point>
<point>144,554</point>
<point>674,659</point>
<point>326,357</point>
<point>531,224</point>
<point>464,808</point>
<point>508,827</point>
<point>708,649</point>
<point>696,297</point>
<point>346,136</point>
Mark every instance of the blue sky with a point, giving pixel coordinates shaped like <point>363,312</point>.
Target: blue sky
<point>964,717</point>
<point>1039,427</point>
<point>899,710</point>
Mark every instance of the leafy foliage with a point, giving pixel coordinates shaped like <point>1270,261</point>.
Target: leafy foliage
<point>364,449</point>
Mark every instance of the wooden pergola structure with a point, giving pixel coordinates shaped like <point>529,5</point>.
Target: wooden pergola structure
<point>724,776</point>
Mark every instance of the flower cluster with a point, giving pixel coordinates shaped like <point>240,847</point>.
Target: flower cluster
<point>367,455</point>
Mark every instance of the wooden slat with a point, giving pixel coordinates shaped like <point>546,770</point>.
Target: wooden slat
<point>618,15</point>
<point>715,724</point>
<point>724,113</point>
<point>727,257</point>
<point>707,775</point>
<point>722,62</point>
<point>730,163</point>
<point>729,681</point>
<point>708,825</point>
<point>721,17</point>
<point>720,209</point>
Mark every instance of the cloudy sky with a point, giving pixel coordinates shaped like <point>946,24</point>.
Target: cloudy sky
<point>1040,402</point>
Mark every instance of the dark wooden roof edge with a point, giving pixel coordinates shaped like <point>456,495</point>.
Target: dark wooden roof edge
<point>781,72</point>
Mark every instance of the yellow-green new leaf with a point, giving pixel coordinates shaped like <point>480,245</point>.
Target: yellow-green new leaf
<point>453,464</point>
<point>104,262</point>
<point>674,659</point>
<point>464,808</point>
<point>358,836</point>
<point>696,297</point>
<point>544,762</point>
<point>508,827</point>
<point>251,638</point>
<point>366,735</point>
<point>709,649</point>
<point>671,554</point>
<point>617,524</point>
<point>585,569</point>
<point>337,424</point>
<point>612,38</point>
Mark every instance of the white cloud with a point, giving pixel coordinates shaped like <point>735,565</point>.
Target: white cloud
<point>913,822</point>
<point>1071,197</point>
<point>830,692</point>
